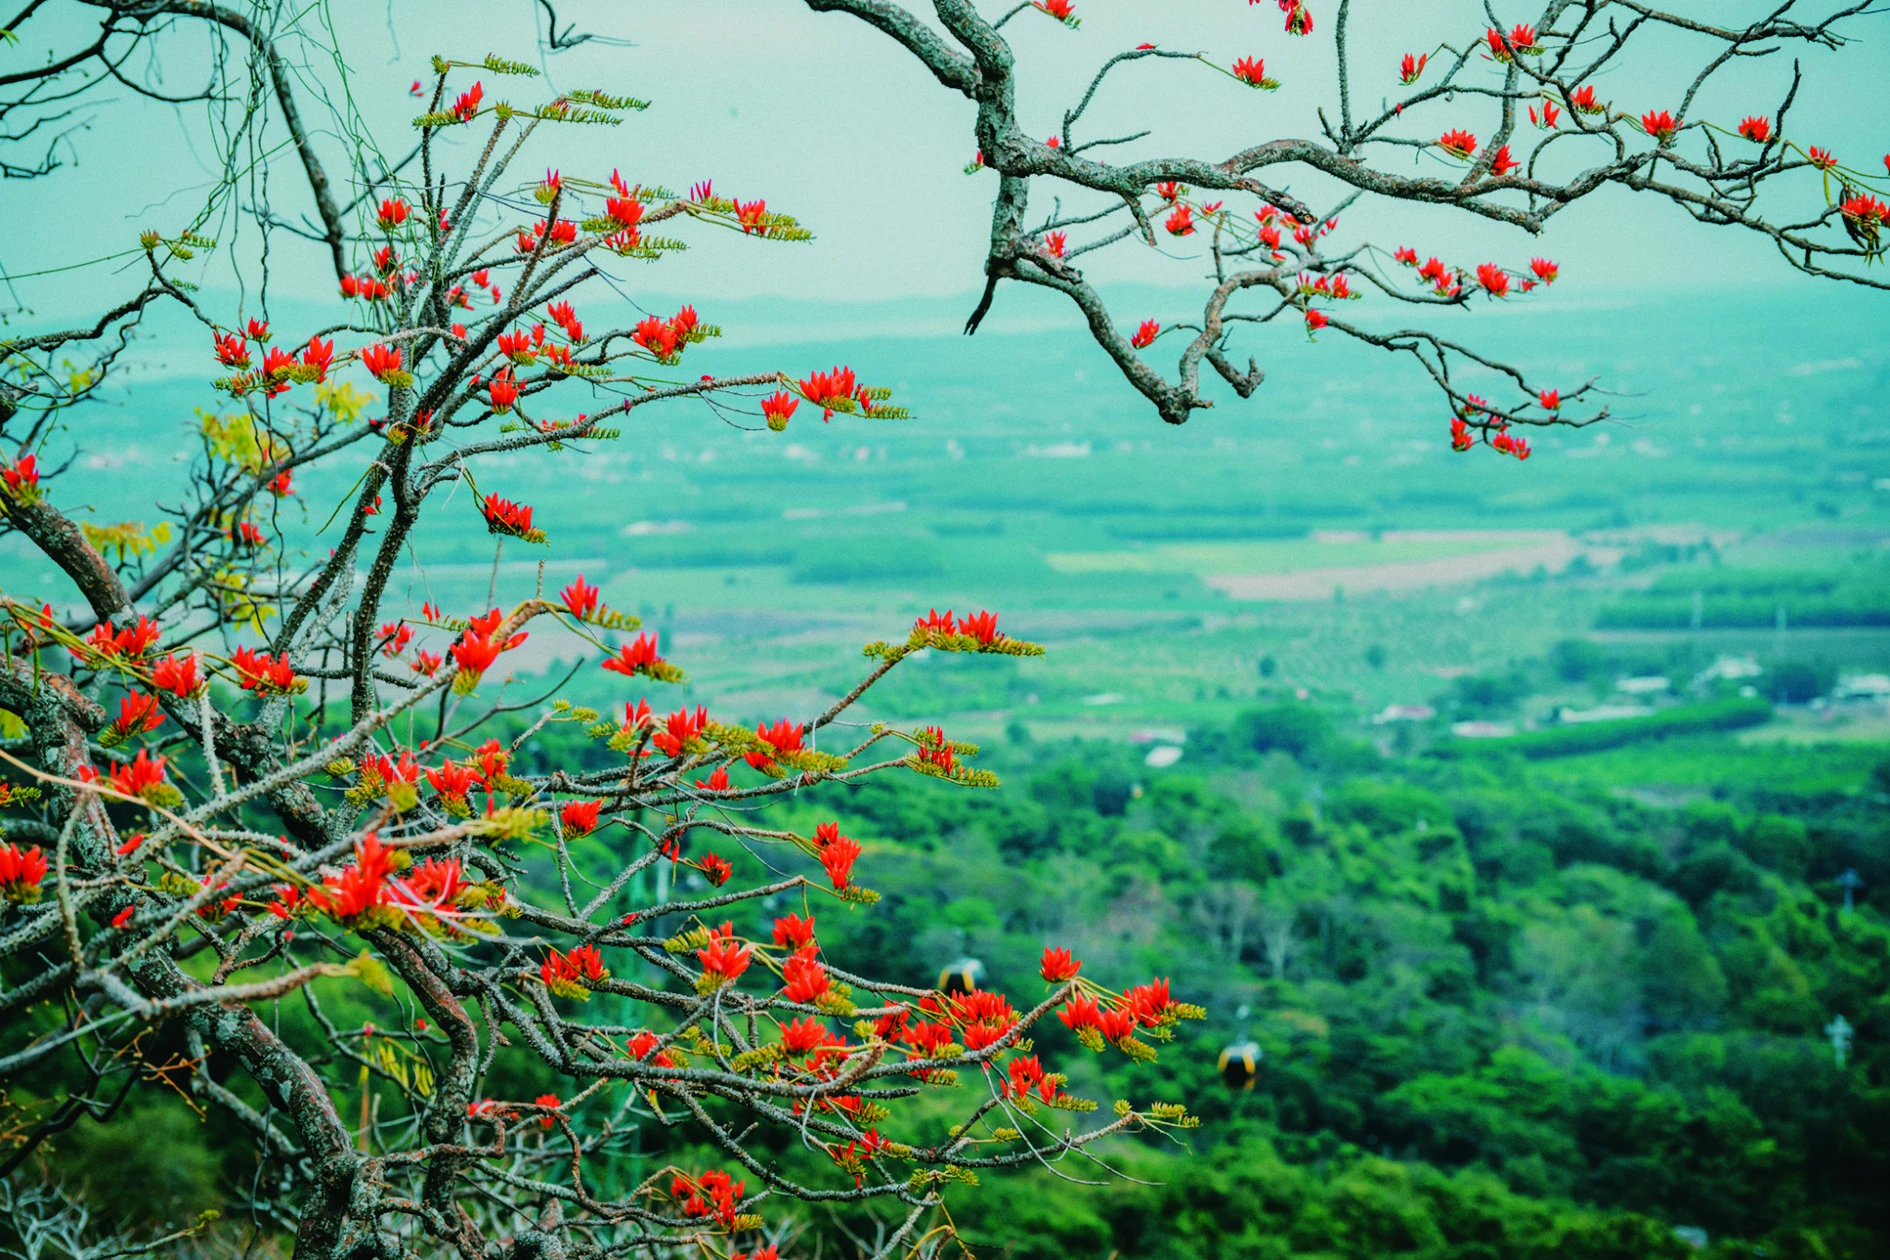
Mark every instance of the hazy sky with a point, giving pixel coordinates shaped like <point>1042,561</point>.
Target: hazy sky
<point>830,121</point>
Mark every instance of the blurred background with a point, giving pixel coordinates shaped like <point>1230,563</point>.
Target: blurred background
<point>1526,825</point>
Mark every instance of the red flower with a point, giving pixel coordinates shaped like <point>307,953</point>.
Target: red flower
<point>137,713</point>
<point>1062,10</point>
<point>656,336</point>
<point>1024,1074</point>
<point>1145,334</point>
<point>1545,270</point>
<point>716,869</point>
<point>1551,399</point>
<point>791,929</point>
<point>1522,37</point>
<point>1058,966</point>
<point>1584,102</point>
<point>1501,163</point>
<point>1461,439</point>
<point>580,599</point>
<point>1549,115</point>
<point>468,103</point>
<point>982,627</point>
<point>1821,158</point>
<point>1864,209</point>
<point>625,211</point>
<point>777,408</point>
<point>803,978</point>
<point>475,653</point>
<point>1498,46</point>
<point>1494,279</point>
<point>502,390</point>
<point>1251,71</point>
<point>579,818</point>
<point>264,675</point>
<point>453,781</point>
<point>394,637</point>
<point>1412,67</point>
<point>142,776</point>
<point>1180,221</point>
<point>1168,190</point>
<point>1660,125</point>
<point>22,475</point>
<point>1406,255</point>
<point>175,674</point>
<point>394,212</point>
<point>232,351</point>
<point>1756,129</point>
<point>1056,243</point>
<point>783,737</point>
<point>822,388</point>
<point>1315,320</point>
<point>1458,143</point>
<point>380,360</point>
<point>1080,1012</point>
<point>837,853</point>
<point>568,972</point>
<point>123,917</point>
<point>1519,447</point>
<point>506,517</point>
<point>1298,19</point>
<point>546,1100</point>
<point>639,657</point>
<point>723,957</point>
<point>21,872</point>
<point>716,782</point>
<point>680,727</point>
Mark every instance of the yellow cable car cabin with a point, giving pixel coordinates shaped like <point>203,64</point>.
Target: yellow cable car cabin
<point>961,977</point>
<point>1240,1065</point>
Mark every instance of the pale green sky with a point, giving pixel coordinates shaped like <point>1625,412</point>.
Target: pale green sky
<point>830,121</point>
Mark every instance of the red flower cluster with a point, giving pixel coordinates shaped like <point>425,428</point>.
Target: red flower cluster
<point>784,737</point>
<point>175,674</point>
<point>265,675</point>
<point>1504,442</point>
<point>640,1044</point>
<point>666,338</point>
<point>1251,71</point>
<point>381,361</point>
<point>137,713</point>
<point>507,518</point>
<point>468,103</point>
<point>722,958</point>
<point>778,408</point>
<point>1058,966</point>
<point>580,599</point>
<point>791,929</point>
<point>142,777</point>
<point>579,818</point>
<point>21,872</point>
<point>1660,124</point>
<point>639,657</point>
<point>572,970</point>
<point>803,978</point>
<point>1458,143</point>
<point>837,853</point>
<point>711,1194</point>
<point>680,727</point>
<point>131,642</point>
